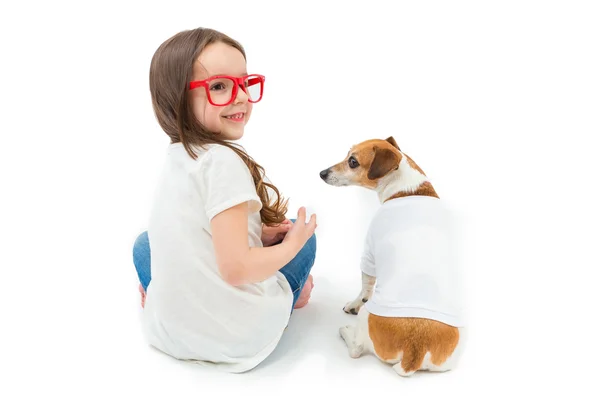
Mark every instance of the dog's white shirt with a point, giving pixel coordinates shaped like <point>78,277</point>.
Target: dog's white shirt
<point>413,248</point>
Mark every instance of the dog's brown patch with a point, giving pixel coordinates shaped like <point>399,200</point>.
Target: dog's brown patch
<point>413,337</point>
<point>425,189</point>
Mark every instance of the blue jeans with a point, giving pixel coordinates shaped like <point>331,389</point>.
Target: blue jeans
<point>296,271</point>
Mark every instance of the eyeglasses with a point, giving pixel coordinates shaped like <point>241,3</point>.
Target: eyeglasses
<point>221,90</point>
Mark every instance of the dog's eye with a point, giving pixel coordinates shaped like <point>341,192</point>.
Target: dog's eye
<point>352,162</point>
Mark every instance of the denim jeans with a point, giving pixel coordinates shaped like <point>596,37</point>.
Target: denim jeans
<point>296,271</point>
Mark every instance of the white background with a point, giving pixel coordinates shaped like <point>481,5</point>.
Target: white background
<point>497,101</point>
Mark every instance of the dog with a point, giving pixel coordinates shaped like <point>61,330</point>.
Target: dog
<point>411,282</point>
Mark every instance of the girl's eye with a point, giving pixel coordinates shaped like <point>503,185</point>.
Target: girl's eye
<point>218,86</point>
<point>352,162</point>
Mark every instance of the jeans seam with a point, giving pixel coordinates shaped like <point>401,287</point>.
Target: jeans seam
<point>312,261</point>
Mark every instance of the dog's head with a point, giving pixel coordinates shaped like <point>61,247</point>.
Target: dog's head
<point>365,164</point>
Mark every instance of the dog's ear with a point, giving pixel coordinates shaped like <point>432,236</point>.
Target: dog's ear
<point>384,161</point>
<point>392,141</point>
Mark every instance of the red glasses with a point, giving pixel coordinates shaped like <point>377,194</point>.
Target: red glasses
<point>221,90</point>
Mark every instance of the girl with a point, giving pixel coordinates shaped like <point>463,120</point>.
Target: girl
<point>227,266</point>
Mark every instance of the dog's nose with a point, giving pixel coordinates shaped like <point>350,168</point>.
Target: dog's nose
<point>324,173</point>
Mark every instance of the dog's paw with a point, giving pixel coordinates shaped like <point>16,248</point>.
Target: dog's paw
<point>347,333</point>
<point>344,330</point>
<point>353,307</point>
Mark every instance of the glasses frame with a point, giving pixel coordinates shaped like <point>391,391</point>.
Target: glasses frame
<point>238,82</point>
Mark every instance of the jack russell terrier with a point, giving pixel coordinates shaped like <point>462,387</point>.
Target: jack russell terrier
<point>411,280</point>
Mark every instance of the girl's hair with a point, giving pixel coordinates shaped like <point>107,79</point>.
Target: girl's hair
<point>170,73</point>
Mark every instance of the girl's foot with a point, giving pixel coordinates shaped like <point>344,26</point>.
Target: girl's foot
<point>305,294</point>
<point>143,293</point>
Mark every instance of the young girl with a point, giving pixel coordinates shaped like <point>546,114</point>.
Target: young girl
<point>227,266</point>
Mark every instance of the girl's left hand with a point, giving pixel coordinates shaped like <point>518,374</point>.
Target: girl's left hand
<point>274,234</point>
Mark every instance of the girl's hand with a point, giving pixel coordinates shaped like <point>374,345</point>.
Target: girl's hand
<point>274,234</point>
<point>301,230</point>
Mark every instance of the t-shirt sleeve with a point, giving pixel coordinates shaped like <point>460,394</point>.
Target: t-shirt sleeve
<point>367,262</point>
<point>224,181</point>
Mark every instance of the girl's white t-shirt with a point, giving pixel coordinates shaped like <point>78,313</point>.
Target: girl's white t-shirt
<point>191,313</point>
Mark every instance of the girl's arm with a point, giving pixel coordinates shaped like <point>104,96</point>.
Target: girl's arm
<point>238,262</point>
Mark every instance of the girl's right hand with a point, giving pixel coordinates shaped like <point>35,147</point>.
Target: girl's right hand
<point>301,230</point>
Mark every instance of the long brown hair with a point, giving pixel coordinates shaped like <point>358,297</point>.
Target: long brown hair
<point>171,70</point>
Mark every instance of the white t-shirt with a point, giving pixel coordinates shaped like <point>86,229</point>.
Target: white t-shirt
<point>412,248</point>
<point>191,313</point>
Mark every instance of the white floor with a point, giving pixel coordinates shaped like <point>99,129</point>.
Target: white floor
<point>311,358</point>
<point>76,333</point>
